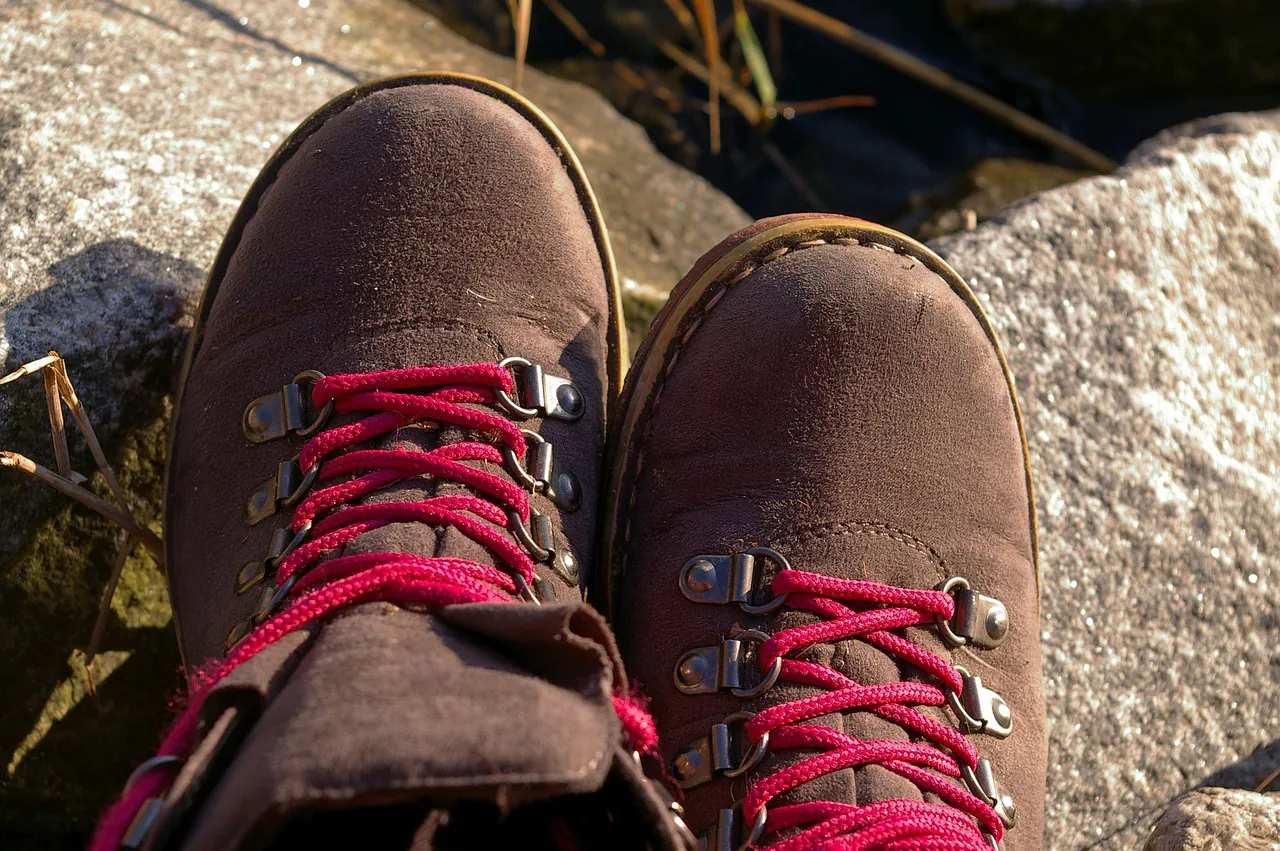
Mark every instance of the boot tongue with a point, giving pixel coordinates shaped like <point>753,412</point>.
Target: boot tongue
<point>859,552</point>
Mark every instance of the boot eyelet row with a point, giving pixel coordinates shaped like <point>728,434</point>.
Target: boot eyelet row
<point>286,411</point>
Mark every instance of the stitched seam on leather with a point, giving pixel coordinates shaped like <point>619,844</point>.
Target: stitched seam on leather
<point>715,299</point>
<point>820,532</point>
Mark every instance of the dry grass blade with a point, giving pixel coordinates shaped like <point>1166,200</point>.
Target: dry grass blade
<point>59,391</point>
<point>739,98</point>
<point>706,12</point>
<point>574,26</point>
<point>57,425</point>
<point>1271,778</point>
<point>684,16</point>
<point>100,625</point>
<point>86,498</point>
<point>793,108</point>
<point>521,20</point>
<point>923,71</point>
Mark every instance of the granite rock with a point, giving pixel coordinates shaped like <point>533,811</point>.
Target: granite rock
<point>1141,316</point>
<point>1219,820</point>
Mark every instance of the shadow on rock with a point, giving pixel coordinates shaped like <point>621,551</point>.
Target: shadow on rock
<point>1249,772</point>
<point>116,311</point>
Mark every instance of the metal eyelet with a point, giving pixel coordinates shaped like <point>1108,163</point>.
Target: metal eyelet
<point>979,709</point>
<point>723,835</point>
<point>978,620</point>
<point>518,471</point>
<point>149,766</point>
<point>521,532</point>
<point>701,761</point>
<point>283,490</point>
<point>982,783</point>
<point>283,412</point>
<point>545,395</point>
<point>720,579</point>
<point>705,670</point>
<point>525,592</point>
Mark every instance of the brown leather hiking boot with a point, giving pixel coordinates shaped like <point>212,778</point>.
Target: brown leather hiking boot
<point>823,548</point>
<point>414,305</point>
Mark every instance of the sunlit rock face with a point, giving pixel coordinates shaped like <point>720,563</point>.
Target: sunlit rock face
<point>1217,819</point>
<point>1141,315</point>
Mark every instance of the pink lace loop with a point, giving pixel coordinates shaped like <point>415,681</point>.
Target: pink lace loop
<point>321,584</point>
<point>933,766</point>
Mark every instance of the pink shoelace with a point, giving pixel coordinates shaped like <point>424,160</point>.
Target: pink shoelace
<point>464,396</point>
<point>893,825</point>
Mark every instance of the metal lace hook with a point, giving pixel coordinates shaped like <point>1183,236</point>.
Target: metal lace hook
<point>504,398</point>
<point>149,766</point>
<point>517,469</point>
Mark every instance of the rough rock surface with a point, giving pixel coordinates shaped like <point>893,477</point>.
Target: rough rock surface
<point>129,130</point>
<point>1141,315</point>
<point>1219,820</point>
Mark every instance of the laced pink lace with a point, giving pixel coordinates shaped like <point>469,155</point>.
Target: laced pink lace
<point>894,825</point>
<point>463,396</point>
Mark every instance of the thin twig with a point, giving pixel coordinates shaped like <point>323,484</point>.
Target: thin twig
<point>906,63</point>
<point>104,609</point>
<point>1271,778</point>
<point>574,26</point>
<point>685,17</point>
<point>31,368</point>
<point>738,97</point>
<point>811,197</point>
<point>706,12</point>
<point>72,401</point>
<point>86,498</point>
<point>793,108</point>
<point>521,21</point>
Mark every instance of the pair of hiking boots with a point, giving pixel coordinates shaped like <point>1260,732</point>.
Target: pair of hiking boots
<point>403,454</point>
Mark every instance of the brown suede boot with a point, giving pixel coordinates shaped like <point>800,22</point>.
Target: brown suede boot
<point>823,548</point>
<point>374,555</point>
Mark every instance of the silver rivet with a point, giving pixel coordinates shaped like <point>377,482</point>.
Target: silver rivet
<point>568,493</point>
<point>1009,814</point>
<point>687,764</point>
<point>570,399</point>
<point>693,670</point>
<point>997,622</point>
<point>1001,711</point>
<point>701,576</point>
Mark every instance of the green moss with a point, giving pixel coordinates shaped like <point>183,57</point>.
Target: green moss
<point>66,752</point>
